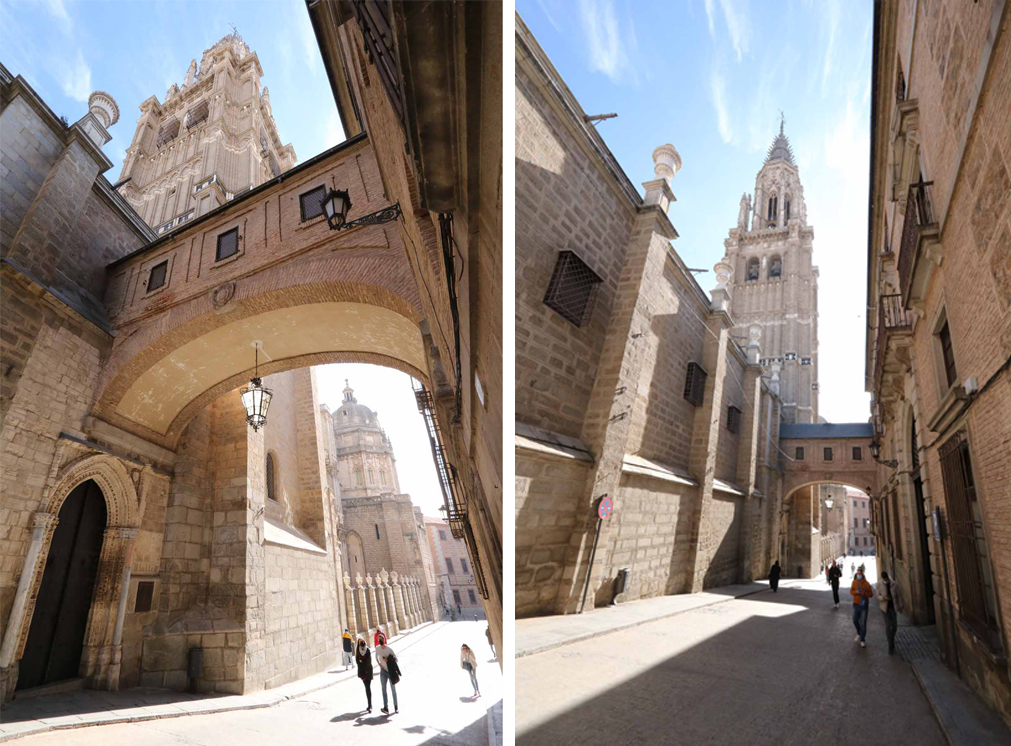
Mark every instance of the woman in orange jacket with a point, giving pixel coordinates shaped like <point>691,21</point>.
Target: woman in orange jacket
<point>862,593</point>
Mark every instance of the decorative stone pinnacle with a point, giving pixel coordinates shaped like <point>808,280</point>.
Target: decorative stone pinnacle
<point>104,106</point>
<point>666,161</point>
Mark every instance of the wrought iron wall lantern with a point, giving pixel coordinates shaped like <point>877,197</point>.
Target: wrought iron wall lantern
<point>829,502</point>
<point>337,205</point>
<point>256,398</point>
<point>875,447</point>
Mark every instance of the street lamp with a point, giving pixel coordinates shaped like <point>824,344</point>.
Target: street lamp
<point>255,398</point>
<point>829,502</point>
<point>337,205</point>
<point>875,447</point>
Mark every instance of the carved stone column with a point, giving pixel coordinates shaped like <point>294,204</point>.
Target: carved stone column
<point>381,605</point>
<point>391,611</point>
<point>398,602</point>
<point>363,606</point>
<point>413,602</point>
<point>352,621</point>
<point>371,591</point>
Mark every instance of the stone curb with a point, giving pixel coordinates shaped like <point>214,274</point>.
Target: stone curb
<point>638,623</point>
<point>981,726</point>
<point>490,720</point>
<point>210,711</point>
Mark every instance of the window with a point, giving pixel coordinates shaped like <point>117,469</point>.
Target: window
<point>856,523</point>
<point>442,535</point>
<point>168,132</point>
<point>456,597</point>
<point>976,599</point>
<point>271,489</point>
<point>382,476</point>
<point>775,267</point>
<point>228,244</point>
<point>733,419</point>
<point>358,477</point>
<point>773,208</point>
<point>947,355</point>
<point>463,566</point>
<point>572,289</point>
<point>828,454</point>
<point>196,115</point>
<point>377,530</point>
<point>786,215</point>
<point>311,203</point>
<point>799,453</point>
<point>858,454</point>
<point>372,478</point>
<point>865,541</point>
<point>695,384</point>
<point>751,271</point>
<point>449,566</point>
<point>473,598</point>
<point>157,276</point>
<point>145,593</point>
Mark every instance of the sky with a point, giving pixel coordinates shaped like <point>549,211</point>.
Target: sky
<point>134,49</point>
<point>711,77</point>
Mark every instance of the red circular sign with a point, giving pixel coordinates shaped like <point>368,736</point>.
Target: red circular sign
<point>604,507</point>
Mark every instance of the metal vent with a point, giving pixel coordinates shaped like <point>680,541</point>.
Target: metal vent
<point>228,244</point>
<point>168,132</point>
<point>573,289</point>
<point>695,384</point>
<point>733,419</point>
<point>197,114</point>
<point>311,203</point>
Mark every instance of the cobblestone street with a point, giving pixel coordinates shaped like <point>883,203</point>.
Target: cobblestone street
<point>434,696</point>
<point>763,669</point>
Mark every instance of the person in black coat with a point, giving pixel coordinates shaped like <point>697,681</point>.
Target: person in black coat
<point>774,572</point>
<point>363,657</point>
<point>834,575</point>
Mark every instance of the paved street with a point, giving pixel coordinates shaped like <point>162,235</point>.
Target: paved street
<point>434,695</point>
<point>763,669</point>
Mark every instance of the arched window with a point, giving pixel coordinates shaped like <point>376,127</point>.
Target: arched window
<point>786,206</point>
<point>775,267</point>
<point>358,477</point>
<point>751,275</point>
<point>382,476</point>
<point>271,478</point>
<point>372,478</point>
<point>773,208</point>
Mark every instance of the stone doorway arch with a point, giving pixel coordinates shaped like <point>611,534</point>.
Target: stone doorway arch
<point>100,656</point>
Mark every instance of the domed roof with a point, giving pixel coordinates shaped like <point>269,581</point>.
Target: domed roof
<point>351,413</point>
<point>780,149</point>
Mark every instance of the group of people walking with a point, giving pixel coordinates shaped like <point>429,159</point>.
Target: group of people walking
<point>861,591</point>
<point>389,667</point>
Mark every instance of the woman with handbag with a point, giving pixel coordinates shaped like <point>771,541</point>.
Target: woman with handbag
<point>363,657</point>
<point>468,662</point>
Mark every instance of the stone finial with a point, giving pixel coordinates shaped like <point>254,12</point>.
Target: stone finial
<point>394,576</point>
<point>358,579</point>
<point>368,579</point>
<point>754,350</point>
<point>191,74</point>
<point>666,161</point>
<point>104,107</point>
<point>172,91</point>
<point>744,212</point>
<point>774,382</point>
<point>721,293</point>
<point>385,576</point>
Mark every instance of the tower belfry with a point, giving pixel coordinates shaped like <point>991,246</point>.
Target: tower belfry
<point>773,287</point>
<point>206,142</point>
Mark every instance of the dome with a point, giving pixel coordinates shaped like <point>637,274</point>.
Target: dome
<point>351,414</point>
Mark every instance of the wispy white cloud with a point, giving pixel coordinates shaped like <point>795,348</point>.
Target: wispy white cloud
<point>308,40</point>
<point>718,93</point>
<point>58,11</point>
<point>608,41</point>
<point>75,79</point>
<point>333,133</point>
<point>738,25</point>
<point>547,14</point>
<point>832,15</point>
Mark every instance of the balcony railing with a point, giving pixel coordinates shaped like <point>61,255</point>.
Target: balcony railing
<point>919,215</point>
<point>892,317</point>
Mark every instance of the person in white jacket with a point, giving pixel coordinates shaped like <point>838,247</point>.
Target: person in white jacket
<point>887,593</point>
<point>468,662</point>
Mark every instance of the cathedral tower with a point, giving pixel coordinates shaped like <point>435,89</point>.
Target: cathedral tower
<point>773,285</point>
<point>211,139</point>
<point>365,463</point>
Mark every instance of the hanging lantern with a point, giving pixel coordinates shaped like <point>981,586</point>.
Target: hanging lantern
<point>829,502</point>
<point>336,206</point>
<point>256,398</point>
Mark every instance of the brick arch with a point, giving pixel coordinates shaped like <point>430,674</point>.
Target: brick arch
<point>151,342</point>
<point>789,492</point>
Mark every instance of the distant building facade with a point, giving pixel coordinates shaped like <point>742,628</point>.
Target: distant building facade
<point>458,594</point>
<point>938,349</point>
<point>860,540</point>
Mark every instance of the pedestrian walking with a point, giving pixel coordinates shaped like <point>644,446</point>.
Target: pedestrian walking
<point>468,662</point>
<point>774,572</point>
<point>491,643</point>
<point>378,636</point>
<point>853,568</point>
<point>364,659</point>
<point>861,592</point>
<point>349,649</point>
<point>834,576</point>
<point>384,657</point>
<point>888,595</point>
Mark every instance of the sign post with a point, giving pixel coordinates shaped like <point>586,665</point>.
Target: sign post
<point>604,510</point>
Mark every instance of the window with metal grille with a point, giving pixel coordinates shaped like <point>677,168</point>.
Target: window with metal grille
<point>463,566</point>
<point>947,355</point>
<point>145,593</point>
<point>858,453</point>
<point>798,453</point>
<point>751,273</point>
<point>828,454</point>
<point>733,419</point>
<point>377,530</point>
<point>271,490</point>
<point>228,244</point>
<point>196,115</point>
<point>168,132</point>
<point>470,594</point>
<point>695,384</point>
<point>157,277</point>
<point>776,263</point>
<point>976,602</point>
<point>456,597</point>
<point>311,203</point>
<point>572,289</point>
<point>449,566</point>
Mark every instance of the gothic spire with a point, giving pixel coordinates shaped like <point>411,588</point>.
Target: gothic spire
<point>780,148</point>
